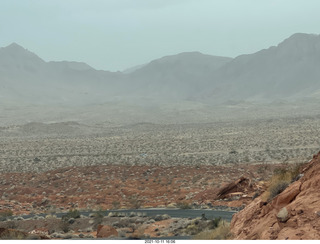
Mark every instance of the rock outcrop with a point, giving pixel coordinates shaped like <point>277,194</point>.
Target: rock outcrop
<point>294,214</point>
<point>239,187</point>
<point>105,231</point>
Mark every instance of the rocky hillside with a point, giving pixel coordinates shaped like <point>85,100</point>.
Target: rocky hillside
<point>293,214</point>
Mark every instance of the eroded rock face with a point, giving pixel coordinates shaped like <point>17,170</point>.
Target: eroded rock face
<point>239,187</point>
<point>290,215</point>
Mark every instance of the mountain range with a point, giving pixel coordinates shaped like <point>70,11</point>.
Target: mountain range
<point>287,71</point>
<point>187,87</point>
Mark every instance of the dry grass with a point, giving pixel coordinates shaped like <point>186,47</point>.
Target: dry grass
<point>280,181</point>
<point>222,232</point>
<point>7,234</point>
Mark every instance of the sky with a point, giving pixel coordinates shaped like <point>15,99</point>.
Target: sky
<point>118,34</point>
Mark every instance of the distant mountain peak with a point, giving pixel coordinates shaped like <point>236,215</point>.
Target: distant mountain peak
<point>302,35</point>
<point>18,53</point>
<point>14,44</point>
<point>15,47</point>
<point>301,39</point>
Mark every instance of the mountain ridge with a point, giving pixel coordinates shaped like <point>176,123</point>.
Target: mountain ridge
<point>287,71</point>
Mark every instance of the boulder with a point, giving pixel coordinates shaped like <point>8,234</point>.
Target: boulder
<point>106,231</point>
<point>288,195</point>
<point>283,215</point>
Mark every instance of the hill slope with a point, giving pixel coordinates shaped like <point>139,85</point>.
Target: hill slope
<point>26,78</point>
<point>293,214</point>
<point>176,77</point>
<point>289,70</point>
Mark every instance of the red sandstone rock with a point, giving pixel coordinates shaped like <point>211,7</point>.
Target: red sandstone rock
<point>301,200</point>
<point>94,187</point>
<point>105,231</point>
<point>241,188</point>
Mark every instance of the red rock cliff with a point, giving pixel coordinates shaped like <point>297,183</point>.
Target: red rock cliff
<point>294,214</point>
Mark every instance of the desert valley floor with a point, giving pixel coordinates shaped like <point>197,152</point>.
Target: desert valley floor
<point>58,167</point>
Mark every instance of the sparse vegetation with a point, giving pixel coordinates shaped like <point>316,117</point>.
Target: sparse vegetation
<point>221,232</point>
<point>13,235</point>
<point>239,142</point>
<point>72,214</point>
<point>135,202</point>
<point>215,223</point>
<point>183,205</point>
<point>5,213</point>
<point>282,177</point>
<point>98,218</point>
<point>68,219</point>
<point>64,226</point>
<point>164,159</point>
<point>115,205</point>
<point>277,188</point>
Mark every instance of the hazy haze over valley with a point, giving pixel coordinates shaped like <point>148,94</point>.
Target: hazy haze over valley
<point>186,87</point>
<point>143,119</point>
<point>181,61</point>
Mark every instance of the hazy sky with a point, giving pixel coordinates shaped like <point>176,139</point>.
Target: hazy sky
<point>117,34</point>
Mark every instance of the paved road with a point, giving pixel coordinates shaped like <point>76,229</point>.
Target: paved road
<point>174,213</point>
<point>182,213</point>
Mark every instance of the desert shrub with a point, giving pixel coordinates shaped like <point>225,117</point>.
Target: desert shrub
<point>280,180</point>
<point>222,232</point>
<point>98,218</point>
<point>276,189</point>
<point>13,235</point>
<point>183,205</point>
<point>64,226</point>
<point>198,225</point>
<point>115,205</point>
<point>135,202</point>
<point>10,225</point>
<point>215,223</point>
<point>74,214</point>
<point>68,219</point>
<point>6,213</point>
<point>288,173</point>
